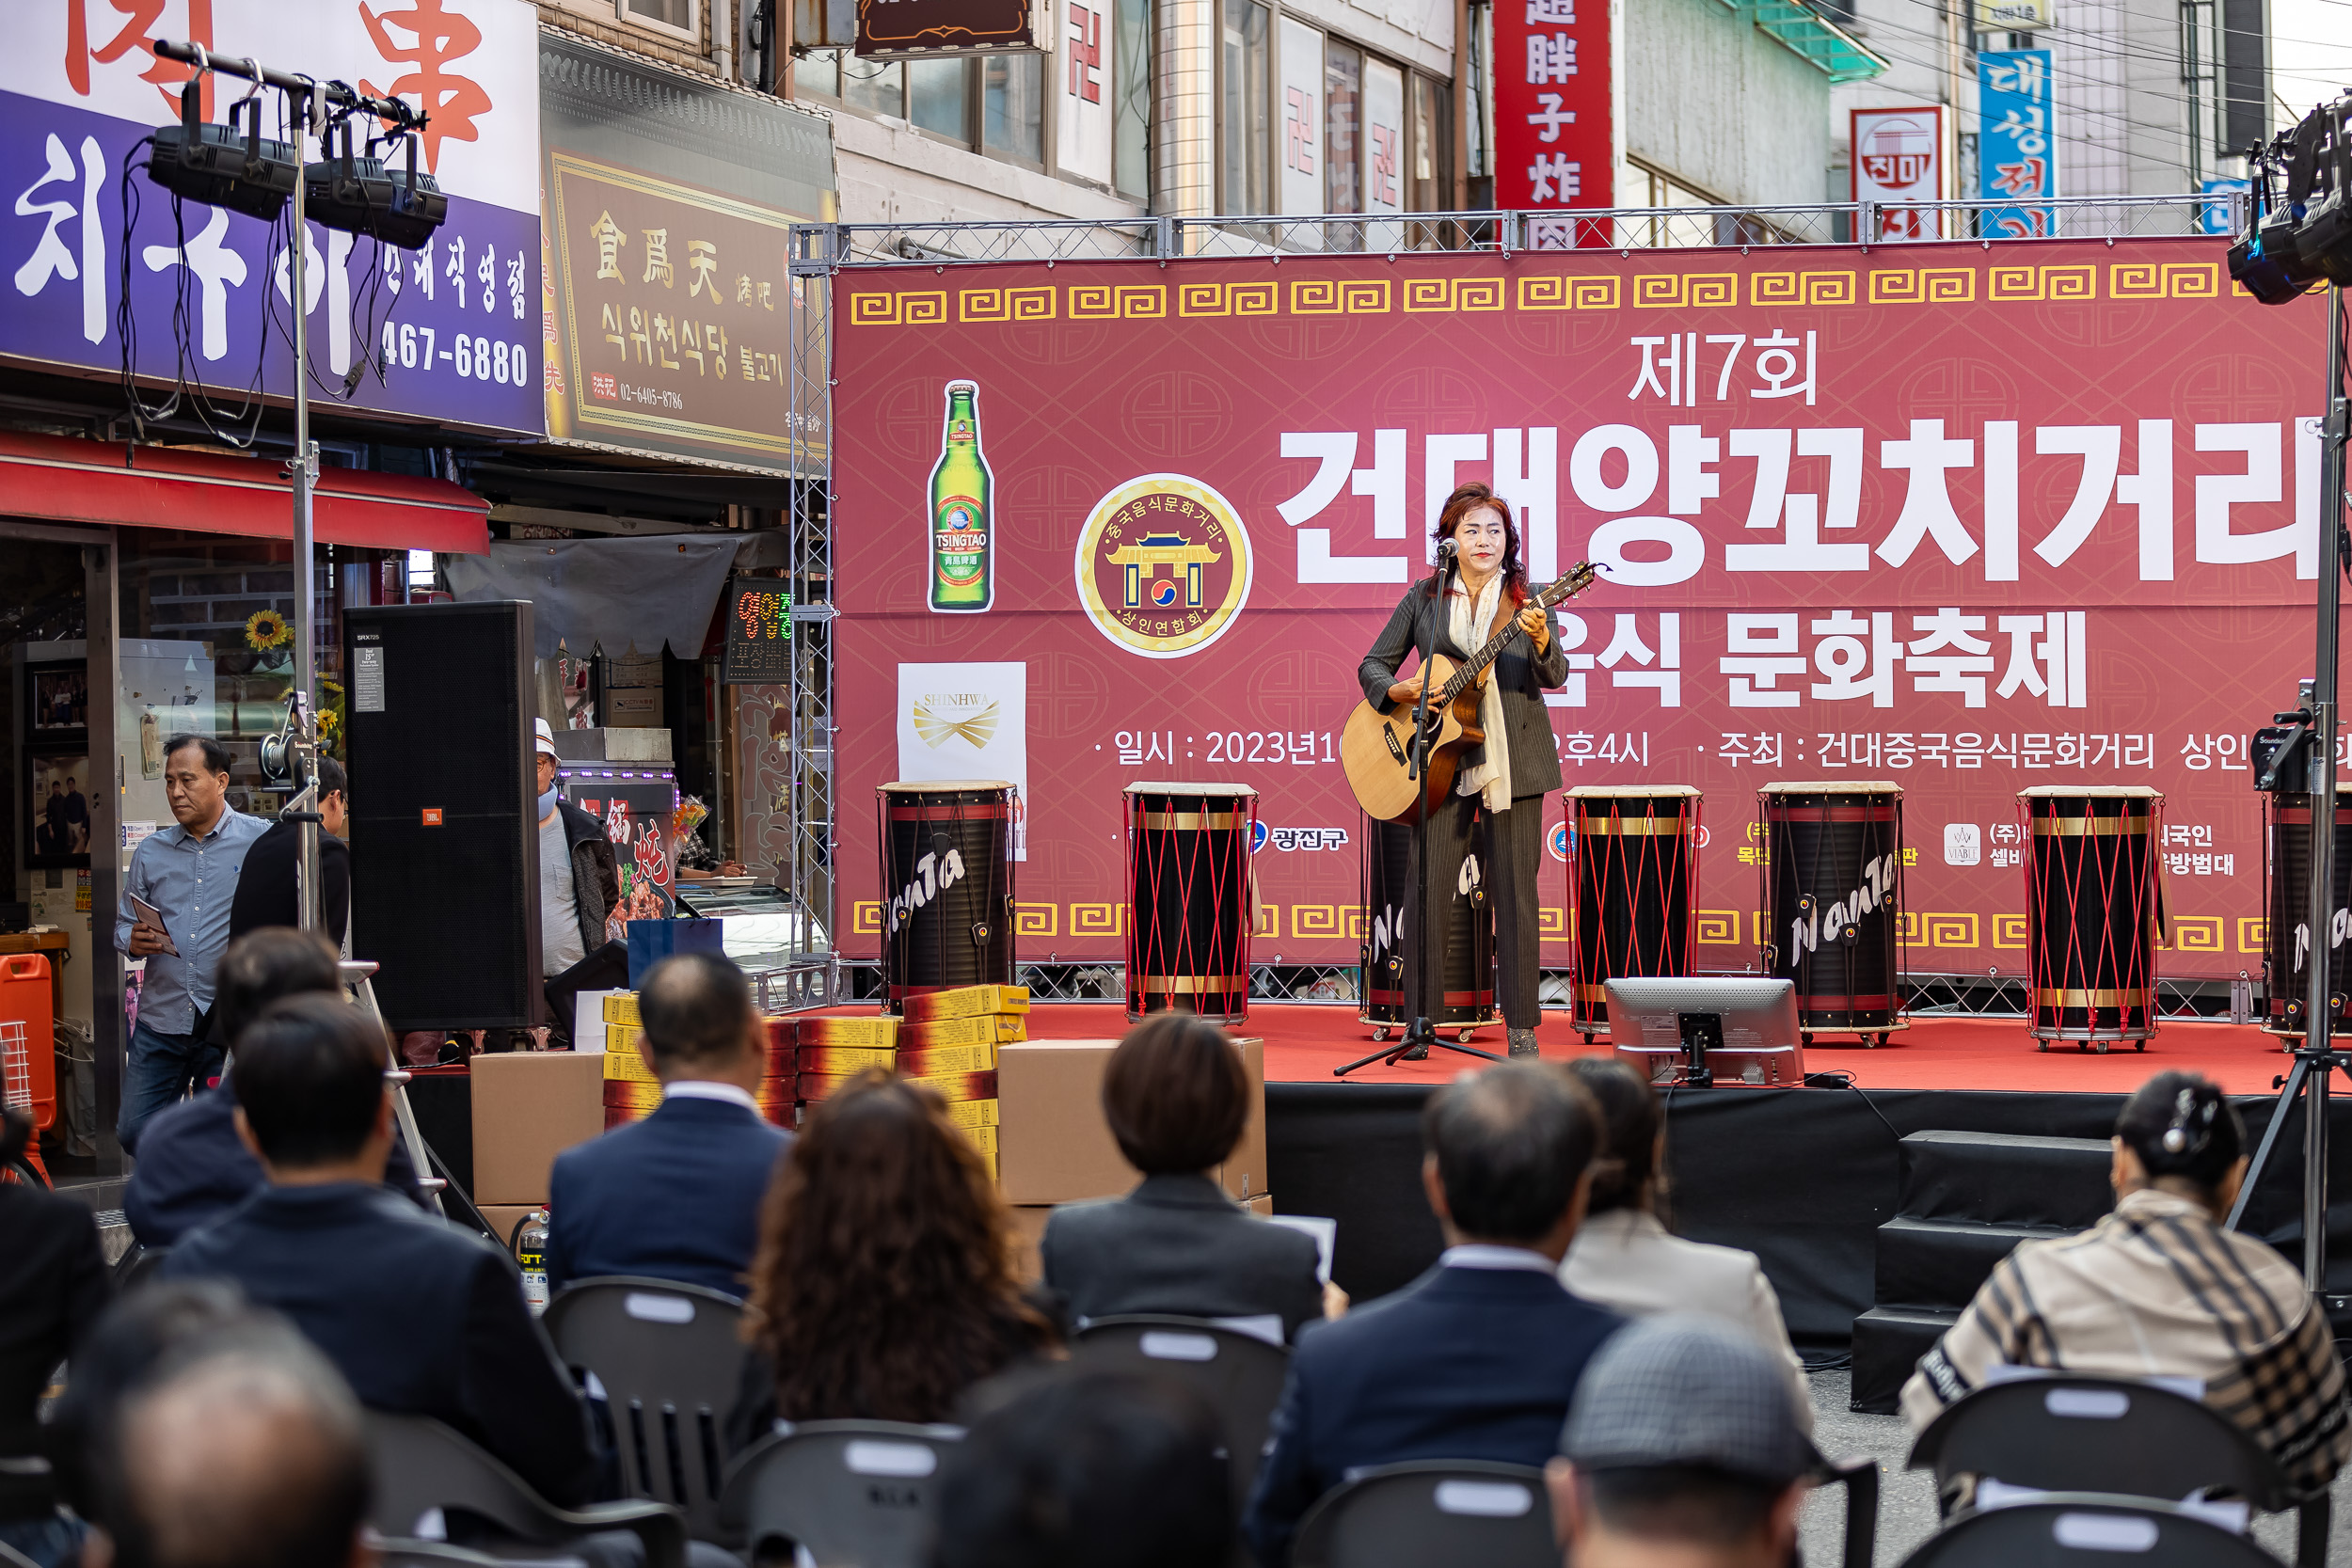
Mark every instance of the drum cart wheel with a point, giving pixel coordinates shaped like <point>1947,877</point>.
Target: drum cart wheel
<point>1466,1034</point>
<point>1804,1038</point>
<point>1379,1033</point>
<point>1588,1040</point>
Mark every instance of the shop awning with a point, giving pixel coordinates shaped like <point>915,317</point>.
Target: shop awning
<point>63,480</point>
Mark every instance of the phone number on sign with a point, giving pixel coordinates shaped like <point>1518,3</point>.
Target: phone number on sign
<point>413,347</point>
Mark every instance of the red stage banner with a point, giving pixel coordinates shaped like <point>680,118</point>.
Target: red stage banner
<point>1968,519</point>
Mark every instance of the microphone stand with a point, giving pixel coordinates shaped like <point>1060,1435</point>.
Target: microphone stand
<point>1422,1032</point>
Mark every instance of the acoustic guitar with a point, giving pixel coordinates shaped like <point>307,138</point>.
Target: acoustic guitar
<point>1377,750</point>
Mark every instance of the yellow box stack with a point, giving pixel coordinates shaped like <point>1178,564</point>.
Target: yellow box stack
<point>632,1092</point>
<point>947,1042</point>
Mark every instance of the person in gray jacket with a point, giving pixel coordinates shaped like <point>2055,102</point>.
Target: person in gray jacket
<point>1177,1097</point>
<point>1497,800</point>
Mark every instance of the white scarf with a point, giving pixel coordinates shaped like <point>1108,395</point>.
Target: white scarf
<point>1471,625</point>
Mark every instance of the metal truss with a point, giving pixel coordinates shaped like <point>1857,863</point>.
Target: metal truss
<point>820,251</point>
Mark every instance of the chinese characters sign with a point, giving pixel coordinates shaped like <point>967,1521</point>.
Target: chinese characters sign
<point>1553,139</point>
<point>2017,153</point>
<point>443,333</point>
<point>2035,545</point>
<point>669,320</point>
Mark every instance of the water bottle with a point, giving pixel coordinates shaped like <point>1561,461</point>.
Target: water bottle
<point>530,1251</point>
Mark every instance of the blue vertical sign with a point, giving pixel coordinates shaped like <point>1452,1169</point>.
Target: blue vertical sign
<point>2017,150</point>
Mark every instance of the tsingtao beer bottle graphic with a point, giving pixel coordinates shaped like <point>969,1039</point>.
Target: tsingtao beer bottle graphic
<point>963,575</point>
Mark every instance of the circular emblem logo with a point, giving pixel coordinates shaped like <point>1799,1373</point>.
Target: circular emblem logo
<point>1257,836</point>
<point>1164,565</point>
<point>1557,841</point>
<point>1698,837</point>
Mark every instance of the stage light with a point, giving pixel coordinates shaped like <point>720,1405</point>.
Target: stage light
<point>355,192</point>
<point>202,161</point>
<point>2324,238</point>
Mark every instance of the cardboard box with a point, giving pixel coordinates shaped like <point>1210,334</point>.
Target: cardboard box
<point>1029,1237</point>
<point>528,1106</point>
<point>621,1037</point>
<point>1056,1148</point>
<point>929,1061</point>
<point>620,1007</point>
<point>839,1061</point>
<point>964,1002</point>
<point>626,1064</point>
<point>503,1219</point>
<point>973,1113</point>
<point>950,1086</point>
<point>869,1032</point>
<point>981,1029</point>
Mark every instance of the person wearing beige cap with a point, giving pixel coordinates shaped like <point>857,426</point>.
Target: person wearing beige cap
<point>1681,1450</point>
<point>579,883</point>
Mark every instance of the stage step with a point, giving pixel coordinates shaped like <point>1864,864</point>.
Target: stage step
<point>1887,1344</point>
<point>1939,1264</point>
<point>2002,1178</point>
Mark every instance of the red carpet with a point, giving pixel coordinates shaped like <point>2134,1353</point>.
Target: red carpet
<point>1303,1043</point>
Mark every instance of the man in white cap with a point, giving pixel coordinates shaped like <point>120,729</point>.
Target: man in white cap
<point>1681,1450</point>
<point>579,886</point>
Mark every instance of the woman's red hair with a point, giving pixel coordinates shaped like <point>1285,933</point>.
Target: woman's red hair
<point>1473,497</point>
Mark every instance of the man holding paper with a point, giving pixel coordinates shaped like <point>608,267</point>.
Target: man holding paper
<point>174,914</point>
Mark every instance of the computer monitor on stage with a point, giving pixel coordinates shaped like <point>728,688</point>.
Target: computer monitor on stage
<point>1708,1030</point>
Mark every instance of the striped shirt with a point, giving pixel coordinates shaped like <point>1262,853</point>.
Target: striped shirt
<point>2158,1288</point>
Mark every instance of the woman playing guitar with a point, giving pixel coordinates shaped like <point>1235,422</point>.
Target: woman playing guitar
<point>1498,796</point>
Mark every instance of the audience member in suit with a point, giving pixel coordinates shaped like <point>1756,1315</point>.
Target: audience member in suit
<point>53,1287</point>
<point>1088,1471</point>
<point>424,1319</point>
<point>192,1167</point>
<point>1681,1451</point>
<point>678,1194</point>
<point>1625,1258</point>
<point>243,1451</point>
<point>267,891</point>
<point>884,1286</point>
<point>1479,1357</point>
<point>1176,1097</point>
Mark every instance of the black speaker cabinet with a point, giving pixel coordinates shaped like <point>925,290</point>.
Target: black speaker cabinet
<point>444,819</point>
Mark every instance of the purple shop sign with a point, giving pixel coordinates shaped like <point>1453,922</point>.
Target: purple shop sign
<point>449,333</point>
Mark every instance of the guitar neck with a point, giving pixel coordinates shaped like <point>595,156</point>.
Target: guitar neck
<point>1566,588</point>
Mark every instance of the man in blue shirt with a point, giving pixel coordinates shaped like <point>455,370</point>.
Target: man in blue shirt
<point>676,1195</point>
<point>187,874</point>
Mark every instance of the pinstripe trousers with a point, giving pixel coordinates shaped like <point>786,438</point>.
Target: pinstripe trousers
<point>1493,861</point>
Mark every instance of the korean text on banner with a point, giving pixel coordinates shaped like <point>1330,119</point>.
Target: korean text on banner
<point>2017,153</point>
<point>1898,158</point>
<point>445,333</point>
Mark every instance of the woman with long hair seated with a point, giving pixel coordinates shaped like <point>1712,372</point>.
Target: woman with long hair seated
<point>1177,1098</point>
<point>883,1288</point>
<point>1624,1258</point>
<point>2161,1288</point>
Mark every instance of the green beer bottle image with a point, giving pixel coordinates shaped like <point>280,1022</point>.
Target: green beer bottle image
<point>963,577</point>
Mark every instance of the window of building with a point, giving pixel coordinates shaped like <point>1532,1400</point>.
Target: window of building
<point>680,18</point>
<point>1431,187</point>
<point>1012,105</point>
<point>938,94</point>
<point>1131,109</point>
<point>1246,108</point>
<point>1343,152</point>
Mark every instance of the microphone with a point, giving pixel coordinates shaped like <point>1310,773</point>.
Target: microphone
<point>1446,548</point>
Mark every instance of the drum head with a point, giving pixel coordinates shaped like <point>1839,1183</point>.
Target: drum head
<point>942,786</point>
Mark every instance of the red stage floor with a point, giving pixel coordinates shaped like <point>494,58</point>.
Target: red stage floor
<point>1304,1043</point>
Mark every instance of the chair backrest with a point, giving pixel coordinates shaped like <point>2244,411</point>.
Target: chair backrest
<point>138,1267</point>
<point>1431,1510</point>
<point>670,1357</point>
<point>432,1554</point>
<point>1239,1375</point>
<point>420,1466</point>
<point>2086,1530</point>
<point>2065,1433</point>
<point>853,1494</point>
<point>11,1557</point>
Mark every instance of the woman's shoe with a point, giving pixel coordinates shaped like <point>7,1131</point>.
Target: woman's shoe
<point>1523,1043</point>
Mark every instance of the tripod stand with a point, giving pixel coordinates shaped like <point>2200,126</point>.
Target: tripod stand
<point>1427,976</point>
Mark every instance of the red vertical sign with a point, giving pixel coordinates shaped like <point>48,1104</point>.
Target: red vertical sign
<point>1553,147</point>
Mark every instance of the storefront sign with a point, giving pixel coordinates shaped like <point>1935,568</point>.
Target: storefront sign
<point>759,632</point>
<point>1898,157</point>
<point>635,809</point>
<point>669,320</point>
<point>1553,137</point>
<point>2034,547</point>
<point>2017,154</point>
<point>888,29</point>
<point>443,333</point>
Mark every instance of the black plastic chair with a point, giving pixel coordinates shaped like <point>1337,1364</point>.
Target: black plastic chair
<point>2086,1529</point>
<point>11,1557</point>
<point>850,1492</point>
<point>432,1554</point>
<point>1431,1510</point>
<point>670,1357</point>
<point>2064,1433</point>
<point>420,1466</point>
<point>1860,1478</point>
<point>138,1267</point>
<point>1239,1375</point>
